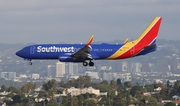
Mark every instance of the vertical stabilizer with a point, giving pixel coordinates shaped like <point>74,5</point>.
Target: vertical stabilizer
<point>150,33</point>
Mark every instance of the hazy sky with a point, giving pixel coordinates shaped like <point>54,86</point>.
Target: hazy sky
<point>73,21</point>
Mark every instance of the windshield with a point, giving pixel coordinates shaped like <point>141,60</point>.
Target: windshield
<point>24,49</point>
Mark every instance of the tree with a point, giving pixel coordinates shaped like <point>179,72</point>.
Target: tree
<point>159,85</point>
<point>43,94</point>
<point>119,82</point>
<point>149,88</point>
<point>152,101</point>
<point>16,99</point>
<point>27,88</point>
<point>18,104</point>
<point>50,88</point>
<point>113,85</point>
<point>61,84</point>
<point>71,83</point>
<point>52,103</point>
<point>175,90</point>
<point>3,88</point>
<point>105,82</point>
<point>127,98</point>
<point>165,93</point>
<point>50,85</point>
<point>103,86</point>
<point>8,102</point>
<point>82,81</point>
<point>11,89</point>
<point>168,84</point>
<point>170,104</point>
<point>135,89</point>
<point>128,84</point>
<point>89,103</point>
<point>25,101</point>
<point>118,101</point>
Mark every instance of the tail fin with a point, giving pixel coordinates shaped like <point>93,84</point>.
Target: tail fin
<point>149,35</point>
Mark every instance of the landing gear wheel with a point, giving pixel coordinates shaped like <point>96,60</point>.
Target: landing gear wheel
<point>91,63</point>
<point>30,63</point>
<point>85,63</point>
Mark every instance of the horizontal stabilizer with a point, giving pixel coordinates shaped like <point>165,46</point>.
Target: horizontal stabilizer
<point>150,46</point>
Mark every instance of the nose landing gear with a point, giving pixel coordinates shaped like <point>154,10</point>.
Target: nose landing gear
<point>30,63</point>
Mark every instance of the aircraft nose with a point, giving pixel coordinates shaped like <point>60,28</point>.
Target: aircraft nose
<point>18,53</point>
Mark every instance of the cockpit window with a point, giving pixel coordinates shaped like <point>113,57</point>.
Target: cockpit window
<point>23,49</point>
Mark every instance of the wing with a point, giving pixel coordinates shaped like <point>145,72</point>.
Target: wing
<point>84,53</point>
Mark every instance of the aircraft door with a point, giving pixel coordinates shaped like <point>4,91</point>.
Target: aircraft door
<point>32,49</point>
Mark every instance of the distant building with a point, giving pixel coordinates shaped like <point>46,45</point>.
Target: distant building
<point>145,67</point>
<point>35,76</point>
<point>116,66</point>
<point>3,74</point>
<point>76,91</point>
<point>23,76</point>
<point>108,76</point>
<point>92,74</point>
<point>162,65</point>
<point>75,68</point>
<point>174,66</point>
<point>158,89</point>
<point>124,77</point>
<point>11,75</point>
<point>158,80</point>
<point>137,67</point>
<point>124,66</point>
<point>72,68</point>
<point>8,75</point>
<point>51,71</point>
<point>152,67</point>
<point>60,69</point>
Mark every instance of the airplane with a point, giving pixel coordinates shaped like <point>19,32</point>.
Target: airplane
<point>144,44</point>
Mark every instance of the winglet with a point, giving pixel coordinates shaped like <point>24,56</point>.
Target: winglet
<point>126,40</point>
<point>90,40</point>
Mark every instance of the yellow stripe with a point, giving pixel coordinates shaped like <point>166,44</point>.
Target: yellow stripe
<point>131,44</point>
<point>123,49</point>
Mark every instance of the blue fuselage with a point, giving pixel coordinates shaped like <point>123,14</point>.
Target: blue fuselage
<point>56,51</point>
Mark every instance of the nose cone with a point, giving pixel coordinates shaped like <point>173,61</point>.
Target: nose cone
<point>18,53</point>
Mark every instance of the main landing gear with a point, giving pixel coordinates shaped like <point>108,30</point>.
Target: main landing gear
<point>90,63</point>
